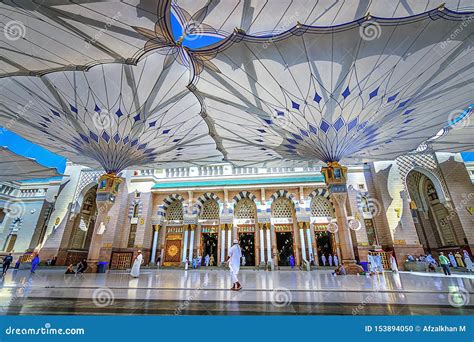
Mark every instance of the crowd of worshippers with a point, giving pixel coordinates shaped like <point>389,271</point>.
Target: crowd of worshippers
<point>457,259</point>
<point>197,261</point>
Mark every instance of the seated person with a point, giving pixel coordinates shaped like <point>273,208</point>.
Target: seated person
<point>70,269</point>
<point>81,266</point>
<point>340,270</point>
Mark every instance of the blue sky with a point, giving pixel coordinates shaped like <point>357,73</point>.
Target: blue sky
<point>26,148</point>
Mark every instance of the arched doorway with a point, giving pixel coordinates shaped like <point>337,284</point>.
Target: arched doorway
<point>209,219</point>
<point>432,219</point>
<point>245,214</point>
<point>321,212</point>
<point>84,224</point>
<point>282,217</point>
<point>174,233</point>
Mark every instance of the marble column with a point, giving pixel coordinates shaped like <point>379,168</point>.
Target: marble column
<point>229,238</point>
<point>154,244</point>
<point>310,242</point>
<point>185,244</point>
<point>262,245</point>
<point>303,245</point>
<point>345,239</point>
<point>191,242</point>
<point>223,234</point>
<point>269,244</point>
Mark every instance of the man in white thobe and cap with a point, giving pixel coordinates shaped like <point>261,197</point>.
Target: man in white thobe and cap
<point>235,254</point>
<point>135,272</point>
<point>336,260</point>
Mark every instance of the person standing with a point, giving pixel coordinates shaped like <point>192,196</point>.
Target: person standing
<point>393,264</point>
<point>468,261</point>
<point>186,264</point>
<point>336,260</point>
<point>211,260</point>
<point>323,259</point>
<point>292,261</point>
<point>233,259</point>
<point>452,260</point>
<point>206,260</point>
<point>444,262</point>
<point>378,262</point>
<point>34,263</point>
<point>135,272</point>
<point>459,259</point>
<point>330,259</point>
<point>7,260</point>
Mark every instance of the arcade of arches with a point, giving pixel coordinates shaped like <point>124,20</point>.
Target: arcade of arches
<point>273,224</point>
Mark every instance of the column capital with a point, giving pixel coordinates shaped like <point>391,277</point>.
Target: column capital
<point>156,227</point>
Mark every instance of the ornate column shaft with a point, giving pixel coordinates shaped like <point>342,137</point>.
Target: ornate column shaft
<point>154,244</point>
<point>302,243</point>
<point>223,234</point>
<point>185,244</point>
<point>262,244</point>
<point>191,242</point>
<point>335,176</point>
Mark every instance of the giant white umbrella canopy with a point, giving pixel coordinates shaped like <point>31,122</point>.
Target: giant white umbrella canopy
<point>263,17</point>
<point>114,116</point>
<point>15,167</point>
<point>368,90</point>
<point>44,36</point>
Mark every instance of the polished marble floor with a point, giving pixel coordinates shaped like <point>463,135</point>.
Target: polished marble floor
<point>176,292</point>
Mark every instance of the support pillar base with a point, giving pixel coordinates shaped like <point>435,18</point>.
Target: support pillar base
<point>351,267</point>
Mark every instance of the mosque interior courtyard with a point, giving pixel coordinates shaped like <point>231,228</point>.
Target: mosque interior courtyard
<point>202,157</point>
<point>206,292</point>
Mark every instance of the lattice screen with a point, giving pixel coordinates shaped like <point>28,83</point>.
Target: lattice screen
<point>175,211</point>
<point>282,208</point>
<point>245,209</point>
<point>210,210</point>
<point>321,207</point>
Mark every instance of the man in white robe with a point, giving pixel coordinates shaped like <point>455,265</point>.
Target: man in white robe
<point>452,260</point>
<point>206,260</point>
<point>136,265</point>
<point>393,264</point>
<point>233,259</point>
<point>468,261</point>
<point>330,259</point>
<point>336,260</point>
<point>323,259</point>
<point>378,262</point>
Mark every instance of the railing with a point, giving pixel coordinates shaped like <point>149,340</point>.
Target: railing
<point>221,170</point>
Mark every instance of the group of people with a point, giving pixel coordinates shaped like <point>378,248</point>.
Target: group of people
<point>196,262</point>
<point>455,261</point>
<point>8,260</point>
<point>81,267</point>
<point>330,260</point>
